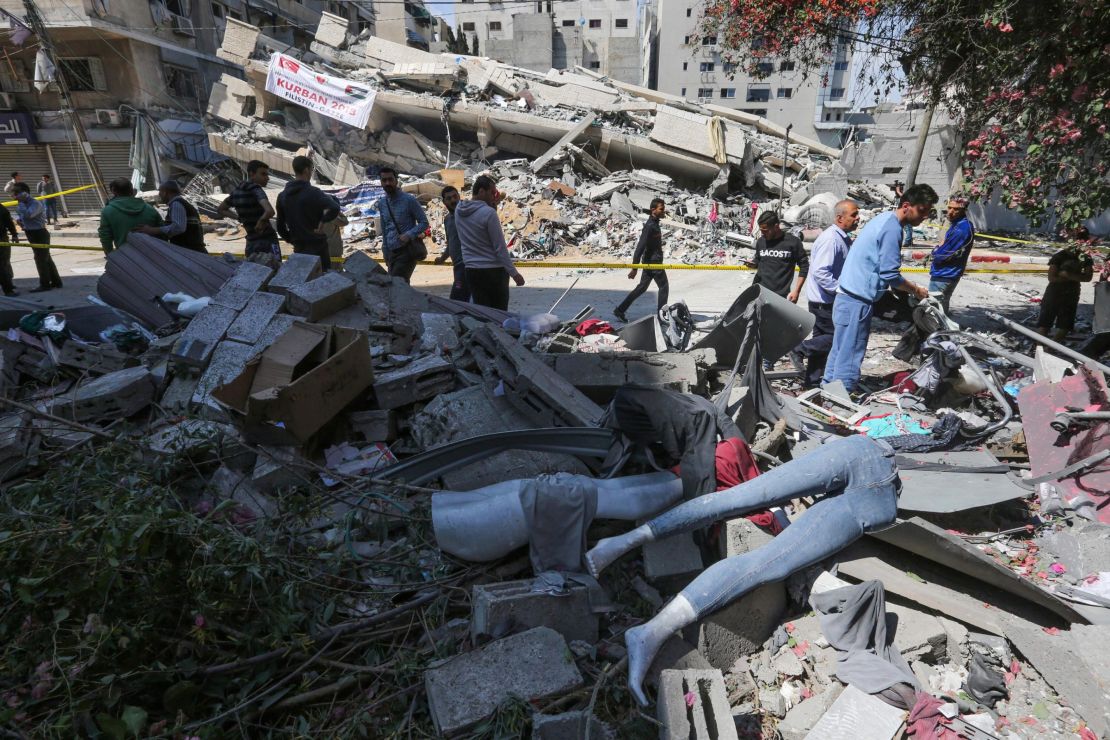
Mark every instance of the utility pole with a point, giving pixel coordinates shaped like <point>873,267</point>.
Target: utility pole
<point>919,149</point>
<point>785,156</point>
<point>36,23</point>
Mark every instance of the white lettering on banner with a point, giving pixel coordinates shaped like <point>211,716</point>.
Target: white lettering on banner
<point>335,97</point>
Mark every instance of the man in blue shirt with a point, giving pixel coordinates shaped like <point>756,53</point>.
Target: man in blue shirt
<point>873,265</point>
<point>403,220</point>
<point>950,258</point>
<point>825,264</point>
<point>32,217</point>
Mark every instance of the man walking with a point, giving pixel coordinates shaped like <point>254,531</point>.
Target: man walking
<point>46,187</point>
<point>32,217</point>
<point>487,260</point>
<point>123,213</point>
<point>7,226</point>
<point>829,252</point>
<point>873,264</point>
<point>777,254</point>
<point>183,226</point>
<point>10,187</point>
<point>302,210</point>
<point>253,210</point>
<point>950,258</point>
<point>649,251</point>
<point>460,289</point>
<point>403,220</point>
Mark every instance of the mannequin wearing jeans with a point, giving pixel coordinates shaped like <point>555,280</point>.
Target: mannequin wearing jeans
<point>856,482</point>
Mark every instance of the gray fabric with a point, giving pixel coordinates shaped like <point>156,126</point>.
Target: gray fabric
<point>854,621</point>
<point>558,510</point>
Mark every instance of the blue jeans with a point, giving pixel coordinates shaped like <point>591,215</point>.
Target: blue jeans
<point>856,482</point>
<point>946,287</point>
<point>851,330</point>
<point>51,205</point>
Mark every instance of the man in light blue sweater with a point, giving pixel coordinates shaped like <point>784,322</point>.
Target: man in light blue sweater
<point>487,260</point>
<point>872,266</point>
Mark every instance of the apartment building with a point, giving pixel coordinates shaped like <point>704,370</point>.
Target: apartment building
<point>410,23</point>
<point>600,35</point>
<point>690,65</point>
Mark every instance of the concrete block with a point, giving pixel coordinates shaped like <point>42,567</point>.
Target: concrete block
<point>375,426</point>
<point>531,665</point>
<point>185,437</point>
<point>740,535</point>
<point>421,379</point>
<point>297,270</point>
<point>360,265</point>
<point>673,562</point>
<point>332,30</point>
<point>249,278</point>
<point>277,326</point>
<point>352,317</point>
<point>514,602</point>
<point>249,326</point>
<point>599,375</point>
<point>739,628</point>
<point>322,296</point>
<point>179,393</point>
<point>197,343</point>
<point>234,485</point>
<point>92,358</point>
<point>441,332</point>
<point>709,718</point>
<point>273,472</point>
<point>858,716</point>
<point>116,395</point>
<point>570,726</point>
<point>800,720</point>
<point>227,362</point>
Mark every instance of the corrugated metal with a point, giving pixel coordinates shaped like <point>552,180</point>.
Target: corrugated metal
<point>29,160</point>
<point>111,156</point>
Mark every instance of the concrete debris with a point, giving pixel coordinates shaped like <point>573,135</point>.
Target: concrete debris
<point>694,704</point>
<point>515,605</point>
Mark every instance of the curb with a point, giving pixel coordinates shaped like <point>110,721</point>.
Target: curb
<point>1001,259</point>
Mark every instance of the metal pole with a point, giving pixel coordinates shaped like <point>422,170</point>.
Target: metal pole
<point>919,149</point>
<point>785,156</point>
<point>1056,346</point>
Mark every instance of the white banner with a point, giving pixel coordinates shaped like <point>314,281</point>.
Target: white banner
<point>343,100</point>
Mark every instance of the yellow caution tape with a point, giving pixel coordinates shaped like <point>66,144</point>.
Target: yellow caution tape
<point>52,195</point>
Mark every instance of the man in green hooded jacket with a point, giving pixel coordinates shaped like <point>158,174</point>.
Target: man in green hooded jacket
<point>122,214</point>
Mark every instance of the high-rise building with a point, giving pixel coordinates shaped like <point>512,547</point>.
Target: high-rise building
<point>409,23</point>
<point>690,65</point>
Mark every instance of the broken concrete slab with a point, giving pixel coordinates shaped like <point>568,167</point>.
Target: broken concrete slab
<point>858,716</point>
<point>249,278</point>
<point>599,375</point>
<point>197,343</point>
<point>419,380</point>
<point>332,30</point>
<point>568,138</point>
<point>273,471</point>
<point>468,688</point>
<point>297,269</point>
<point>322,296</point>
<point>570,726</point>
<point>941,491</point>
<point>800,719</point>
<point>249,325</point>
<point>227,362</point>
<point>360,265</point>
<point>116,395</point>
<point>671,563</point>
<point>94,358</point>
<point>441,332</point>
<point>707,718</point>
<point>513,605</point>
<point>741,627</point>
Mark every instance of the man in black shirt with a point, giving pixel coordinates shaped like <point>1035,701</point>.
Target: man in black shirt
<point>7,226</point>
<point>649,251</point>
<point>776,255</point>
<point>302,210</point>
<point>1066,270</point>
<point>253,210</point>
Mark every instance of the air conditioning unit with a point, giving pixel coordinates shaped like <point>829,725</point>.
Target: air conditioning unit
<point>108,117</point>
<point>182,26</point>
<point>7,100</point>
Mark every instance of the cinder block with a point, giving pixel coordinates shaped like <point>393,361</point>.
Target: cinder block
<point>801,718</point>
<point>441,332</point>
<point>709,717</point>
<point>513,602</point>
<point>297,270</point>
<point>419,380</point>
<point>360,265</point>
<point>375,426</point>
<point>278,325</point>
<point>467,689</point>
<point>273,472</point>
<point>673,562</point>
<point>739,628</point>
<point>250,325</point>
<point>94,358</point>
<point>322,296</point>
<point>117,395</point>
<point>741,535</point>
<point>569,726</point>
<point>204,332</point>
<point>227,362</point>
<point>249,278</point>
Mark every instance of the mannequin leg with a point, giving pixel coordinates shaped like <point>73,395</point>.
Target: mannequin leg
<point>823,530</point>
<point>851,462</point>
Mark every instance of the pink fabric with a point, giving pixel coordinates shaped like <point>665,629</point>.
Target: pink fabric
<point>593,326</point>
<point>925,719</point>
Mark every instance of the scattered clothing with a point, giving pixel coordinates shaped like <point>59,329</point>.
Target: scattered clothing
<point>775,262</point>
<point>941,436</point>
<point>986,679</point>
<point>558,511</point>
<point>735,464</point>
<point>891,425</point>
<point>926,721</point>
<point>593,326</point>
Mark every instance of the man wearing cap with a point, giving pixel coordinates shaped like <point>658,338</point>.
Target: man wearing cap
<point>950,259</point>
<point>183,226</point>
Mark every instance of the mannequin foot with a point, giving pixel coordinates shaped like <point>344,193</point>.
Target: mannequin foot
<point>602,555</point>
<point>643,642</point>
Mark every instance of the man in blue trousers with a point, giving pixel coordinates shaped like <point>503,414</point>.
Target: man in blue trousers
<point>873,265</point>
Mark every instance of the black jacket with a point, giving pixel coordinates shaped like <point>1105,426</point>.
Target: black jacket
<point>301,208</point>
<point>7,225</point>
<point>649,250</point>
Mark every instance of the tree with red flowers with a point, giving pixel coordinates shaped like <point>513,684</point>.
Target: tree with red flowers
<point>1027,82</point>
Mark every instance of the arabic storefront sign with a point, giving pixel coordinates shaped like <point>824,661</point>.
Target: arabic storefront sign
<point>17,128</point>
<point>343,100</point>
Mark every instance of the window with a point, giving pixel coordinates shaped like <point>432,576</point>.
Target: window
<point>495,25</point>
<point>891,170</point>
<point>755,111</point>
<point>785,92</point>
<point>706,67</point>
<point>683,93</point>
<point>178,7</point>
<point>14,78</point>
<point>595,23</point>
<point>765,68</point>
<point>217,10</point>
<point>468,26</point>
<point>685,66</point>
<point>688,12</point>
<point>841,66</point>
<point>83,74</point>
<point>729,67</point>
<point>728,92</point>
<point>621,23</point>
<point>705,92</point>
<point>709,41</point>
<point>595,65</point>
<point>759,93</point>
<point>686,41</point>
<point>181,82</point>
<point>568,24</point>
<point>235,14</point>
<point>786,66</point>
<point>836,93</point>
<point>838,116</point>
